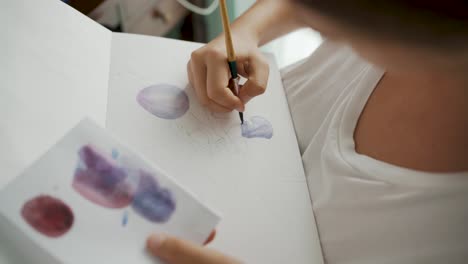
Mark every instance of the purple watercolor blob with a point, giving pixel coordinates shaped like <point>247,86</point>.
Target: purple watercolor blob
<point>164,101</point>
<point>99,179</point>
<point>257,127</point>
<point>152,202</point>
<point>48,215</point>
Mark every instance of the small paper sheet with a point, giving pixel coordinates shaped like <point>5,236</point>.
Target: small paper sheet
<point>89,199</point>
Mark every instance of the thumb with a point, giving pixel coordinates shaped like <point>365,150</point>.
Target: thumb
<point>176,251</point>
<point>257,71</point>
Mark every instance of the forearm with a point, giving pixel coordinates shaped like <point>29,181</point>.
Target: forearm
<point>267,20</point>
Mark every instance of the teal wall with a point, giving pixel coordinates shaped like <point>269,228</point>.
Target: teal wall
<point>214,23</point>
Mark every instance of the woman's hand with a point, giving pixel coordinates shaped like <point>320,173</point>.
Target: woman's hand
<point>176,251</point>
<point>209,74</point>
<point>208,70</point>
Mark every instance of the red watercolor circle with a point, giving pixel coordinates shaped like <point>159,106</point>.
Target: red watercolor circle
<point>48,215</point>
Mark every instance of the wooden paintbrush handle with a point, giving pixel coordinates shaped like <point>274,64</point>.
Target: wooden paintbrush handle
<point>227,31</point>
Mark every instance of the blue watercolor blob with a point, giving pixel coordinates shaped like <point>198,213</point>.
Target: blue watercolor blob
<point>152,202</point>
<point>257,127</point>
<point>115,154</point>
<point>99,179</point>
<point>125,218</point>
<point>164,101</point>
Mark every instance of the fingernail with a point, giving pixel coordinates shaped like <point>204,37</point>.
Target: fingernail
<point>155,241</point>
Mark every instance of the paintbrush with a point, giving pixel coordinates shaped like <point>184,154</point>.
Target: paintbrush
<point>234,81</point>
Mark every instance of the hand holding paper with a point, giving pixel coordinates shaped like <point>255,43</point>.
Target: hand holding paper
<point>90,199</point>
<point>175,251</point>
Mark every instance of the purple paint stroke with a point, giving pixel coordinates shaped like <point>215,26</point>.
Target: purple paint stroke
<point>152,202</point>
<point>100,180</point>
<point>257,127</point>
<point>164,101</point>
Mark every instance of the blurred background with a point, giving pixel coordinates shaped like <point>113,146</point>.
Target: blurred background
<point>192,20</point>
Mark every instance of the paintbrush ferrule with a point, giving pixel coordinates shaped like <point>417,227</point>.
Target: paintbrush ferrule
<point>233,69</point>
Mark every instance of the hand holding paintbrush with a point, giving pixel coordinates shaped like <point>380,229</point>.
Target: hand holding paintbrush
<point>216,85</point>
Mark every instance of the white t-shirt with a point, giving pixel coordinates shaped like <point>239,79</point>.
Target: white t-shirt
<point>368,211</point>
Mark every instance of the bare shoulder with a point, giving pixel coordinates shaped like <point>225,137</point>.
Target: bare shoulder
<point>425,131</point>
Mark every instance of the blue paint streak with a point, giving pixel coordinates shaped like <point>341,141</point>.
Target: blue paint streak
<point>125,218</point>
<point>115,154</point>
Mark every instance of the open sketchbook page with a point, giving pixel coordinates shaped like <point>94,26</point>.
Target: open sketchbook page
<point>252,175</point>
<point>90,199</point>
<point>53,71</point>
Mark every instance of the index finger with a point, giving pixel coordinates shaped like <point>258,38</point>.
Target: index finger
<point>198,84</point>
<point>217,81</point>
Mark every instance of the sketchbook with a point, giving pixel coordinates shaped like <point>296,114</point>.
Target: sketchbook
<point>58,67</point>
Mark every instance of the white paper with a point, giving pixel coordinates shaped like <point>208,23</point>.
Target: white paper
<point>98,234</point>
<point>257,184</point>
<point>53,71</point>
